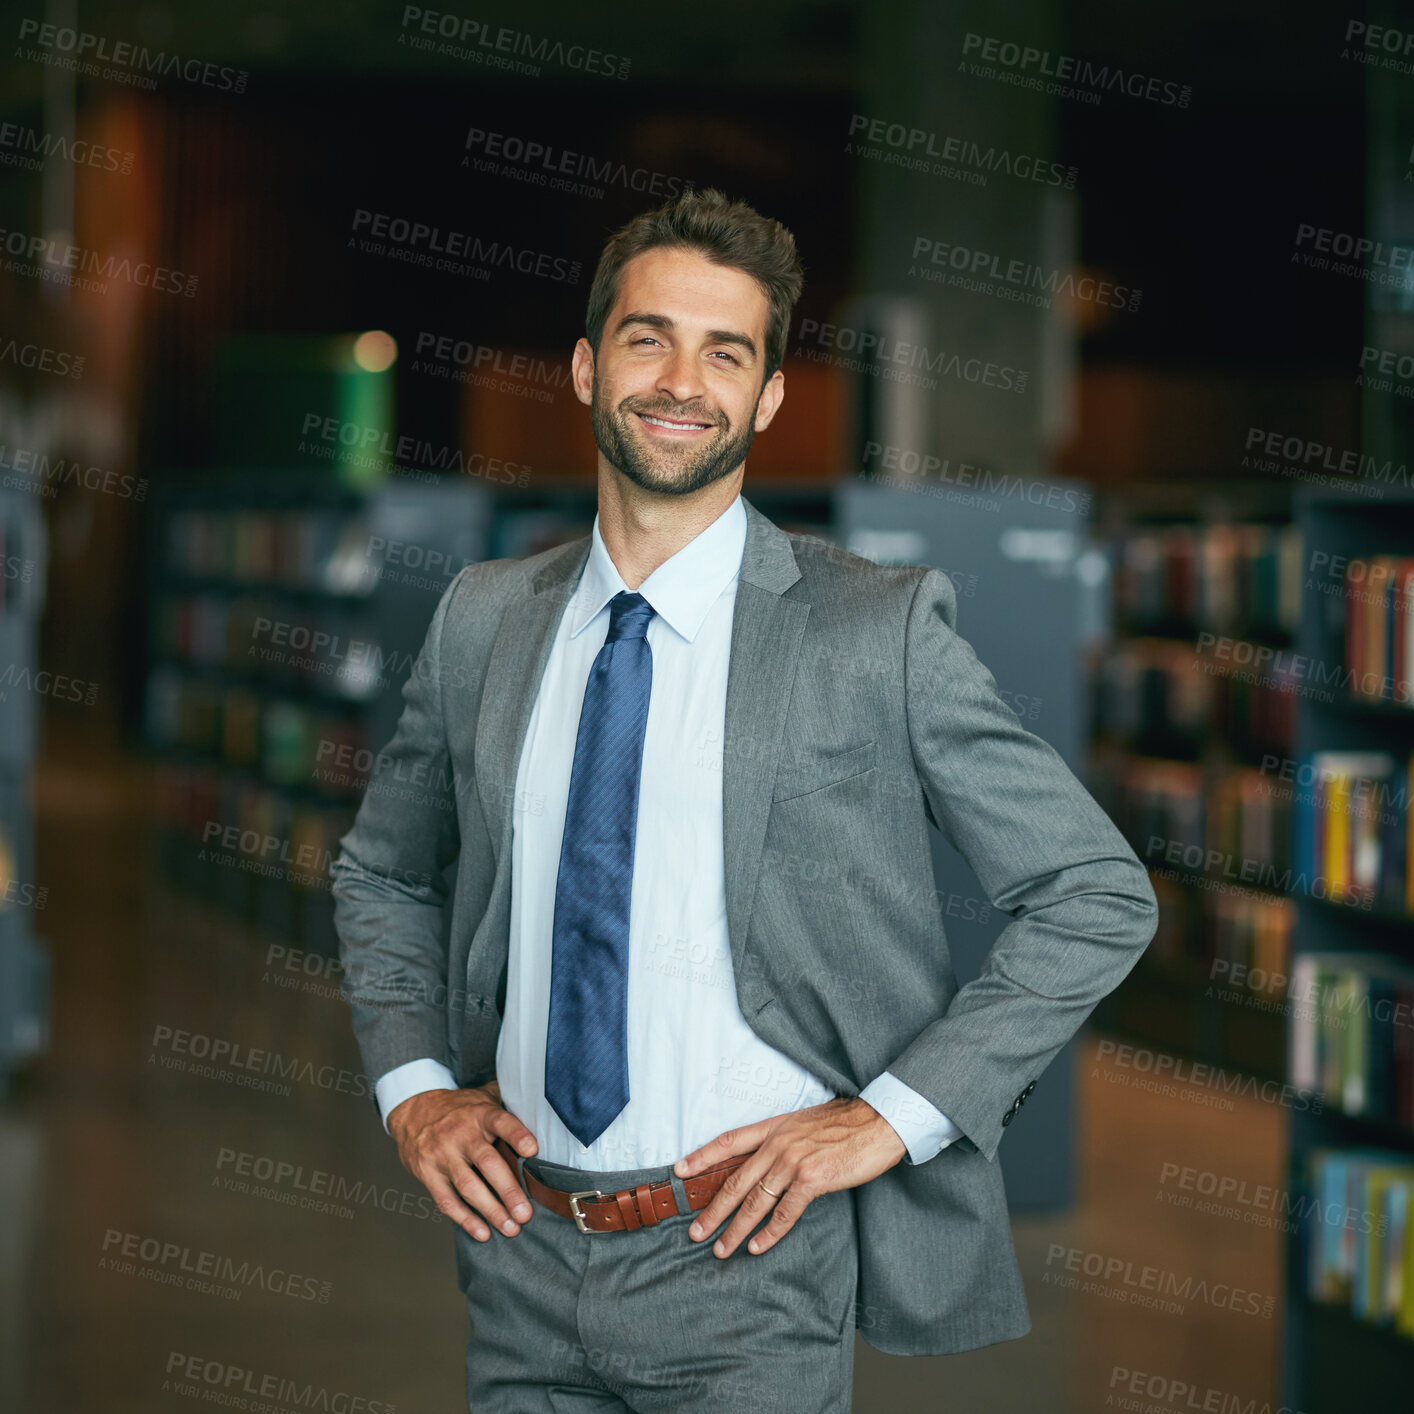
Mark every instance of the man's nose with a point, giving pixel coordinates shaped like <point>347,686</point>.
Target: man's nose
<point>681,379</point>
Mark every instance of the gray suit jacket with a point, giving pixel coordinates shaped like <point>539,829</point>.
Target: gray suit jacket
<point>855,716</point>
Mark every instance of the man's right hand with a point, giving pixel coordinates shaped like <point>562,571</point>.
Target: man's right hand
<point>446,1141</point>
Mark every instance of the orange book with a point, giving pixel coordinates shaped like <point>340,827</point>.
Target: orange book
<point>1380,599</point>
<point>1337,835</point>
<point>1372,621</point>
<point>1354,635</point>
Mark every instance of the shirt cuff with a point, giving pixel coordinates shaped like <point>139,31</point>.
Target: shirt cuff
<point>924,1129</point>
<point>404,1081</point>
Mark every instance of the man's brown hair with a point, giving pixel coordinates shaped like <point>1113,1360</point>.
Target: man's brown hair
<point>727,233</point>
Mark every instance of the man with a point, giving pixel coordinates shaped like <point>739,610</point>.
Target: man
<point>694,995</point>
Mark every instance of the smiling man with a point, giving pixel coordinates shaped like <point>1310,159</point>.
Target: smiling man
<point>696,1114</point>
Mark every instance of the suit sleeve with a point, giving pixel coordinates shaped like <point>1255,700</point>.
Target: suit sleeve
<point>389,891</point>
<point>1081,904</point>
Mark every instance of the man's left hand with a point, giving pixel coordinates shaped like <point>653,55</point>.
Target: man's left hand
<point>799,1156</point>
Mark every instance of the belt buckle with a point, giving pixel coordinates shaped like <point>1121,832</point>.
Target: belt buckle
<point>578,1216</point>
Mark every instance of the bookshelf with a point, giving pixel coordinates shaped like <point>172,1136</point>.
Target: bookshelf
<point>1182,753</point>
<point>24,959</point>
<point>287,611</point>
<point>1349,1336</point>
<point>1336,1355</point>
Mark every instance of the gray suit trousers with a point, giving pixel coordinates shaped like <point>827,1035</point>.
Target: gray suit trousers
<point>646,1320</point>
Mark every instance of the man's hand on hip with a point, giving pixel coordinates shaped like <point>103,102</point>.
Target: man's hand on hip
<point>446,1140</point>
<point>798,1156</point>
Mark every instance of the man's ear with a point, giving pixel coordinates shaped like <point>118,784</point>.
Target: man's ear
<point>772,396</point>
<point>582,372</point>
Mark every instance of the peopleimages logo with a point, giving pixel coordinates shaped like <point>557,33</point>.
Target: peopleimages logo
<point>42,358</point>
<point>870,351</point>
<point>84,52</point>
<point>543,164</point>
<point>1159,1390</point>
<point>1268,450</point>
<point>21,146</point>
<point>136,1246</point>
<point>314,1190</point>
<point>1032,66</point>
<point>237,1386</point>
<point>521,375</point>
<point>1154,1287</point>
<point>445,249</point>
<point>62,262</point>
<point>988,273</point>
<point>917,149</point>
<point>1379,46</point>
<point>927,468</point>
<point>1121,1056</point>
<point>1344,253</point>
<point>376,446</point>
<point>232,1056</point>
<point>34,471</point>
<point>441,32</point>
<point>1255,1202</point>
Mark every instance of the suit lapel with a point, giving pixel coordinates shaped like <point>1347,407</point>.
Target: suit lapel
<point>766,635</point>
<point>518,659</point>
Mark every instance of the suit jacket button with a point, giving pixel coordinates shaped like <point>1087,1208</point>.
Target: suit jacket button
<point>1028,1089</point>
<point>1008,1117</point>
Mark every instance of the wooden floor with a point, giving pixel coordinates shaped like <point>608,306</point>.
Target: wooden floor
<point>116,1169</point>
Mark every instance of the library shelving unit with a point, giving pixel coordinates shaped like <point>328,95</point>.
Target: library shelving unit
<point>24,959</point>
<point>287,612</point>
<point>1349,1335</point>
<point>1349,1332</point>
<point>1205,575</point>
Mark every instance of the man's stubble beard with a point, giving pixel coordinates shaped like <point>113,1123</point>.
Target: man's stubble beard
<point>692,469</point>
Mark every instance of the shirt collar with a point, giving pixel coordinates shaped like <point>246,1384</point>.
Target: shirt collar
<point>682,589</point>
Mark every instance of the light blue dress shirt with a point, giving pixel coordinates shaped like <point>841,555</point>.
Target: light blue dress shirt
<point>695,1067</point>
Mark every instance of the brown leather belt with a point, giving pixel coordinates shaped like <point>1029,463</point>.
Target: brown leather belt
<point>644,1205</point>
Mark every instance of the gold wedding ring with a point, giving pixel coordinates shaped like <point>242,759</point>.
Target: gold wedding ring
<point>760,1183</point>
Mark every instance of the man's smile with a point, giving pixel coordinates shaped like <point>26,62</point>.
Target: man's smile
<point>671,427</point>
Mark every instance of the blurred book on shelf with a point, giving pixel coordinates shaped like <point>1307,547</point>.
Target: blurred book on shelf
<point>323,549</point>
<point>1233,579</point>
<point>1352,1024</point>
<point>1374,613</point>
<point>1352,828</point>
<point>1163,697</point>
<point>1358,1234</point>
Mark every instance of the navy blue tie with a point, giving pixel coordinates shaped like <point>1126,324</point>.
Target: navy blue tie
<point>586,1046</point>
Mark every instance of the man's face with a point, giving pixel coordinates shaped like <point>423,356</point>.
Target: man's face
<point>675,392</point>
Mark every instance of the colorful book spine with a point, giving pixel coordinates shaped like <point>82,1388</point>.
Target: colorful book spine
<point>1379,628</point>
<point>1349,1039</point>
<point>1351,828</point>
<point>1359,1240</point>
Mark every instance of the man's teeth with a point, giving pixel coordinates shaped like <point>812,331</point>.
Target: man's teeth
<point>663,422</point>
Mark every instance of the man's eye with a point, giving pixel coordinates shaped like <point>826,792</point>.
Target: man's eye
<point>731,357</point>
